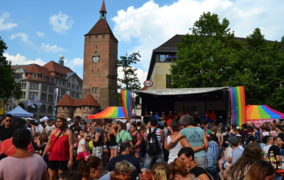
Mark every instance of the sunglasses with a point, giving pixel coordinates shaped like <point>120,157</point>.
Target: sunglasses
<point>8,120</point>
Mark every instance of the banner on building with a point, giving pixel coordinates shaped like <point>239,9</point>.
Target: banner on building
<point>238,105</point>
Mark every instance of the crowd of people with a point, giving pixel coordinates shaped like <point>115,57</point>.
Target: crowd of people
<point>163,147</point>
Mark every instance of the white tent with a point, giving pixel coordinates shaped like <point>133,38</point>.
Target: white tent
<point>19,112</point>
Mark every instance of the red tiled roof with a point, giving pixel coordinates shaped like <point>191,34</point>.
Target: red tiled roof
<point>90,101</point>
<point>66,101</point>
<point>78,102</point>
<point>53,66</point>
<point>101,27</point>
<point>103,9</point>
<point>34,68</point>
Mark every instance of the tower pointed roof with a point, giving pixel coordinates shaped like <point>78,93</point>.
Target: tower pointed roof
<point>103,9</point>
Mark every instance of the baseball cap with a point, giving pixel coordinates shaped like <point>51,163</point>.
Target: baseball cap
<point>233,140</point>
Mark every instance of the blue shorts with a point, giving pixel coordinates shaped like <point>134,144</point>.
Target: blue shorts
<point>113,147</point>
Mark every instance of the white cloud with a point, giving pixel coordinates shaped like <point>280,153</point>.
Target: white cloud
<point>151,25</point>
<point>140,74</point>
<point>74,62</point>
<point>60,22</point>
<point>48,48</point>
<point>20,60</point>
<point>6,26</point>
<point>40,34</point>
<point>24,37</point>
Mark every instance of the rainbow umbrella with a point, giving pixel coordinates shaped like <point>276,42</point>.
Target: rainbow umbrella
<point>110,112</point>
<point>262,112</point>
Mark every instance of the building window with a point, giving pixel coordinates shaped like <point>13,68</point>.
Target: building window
<point>33,85</point>
<point>43,97</point>
<point>50,90</point>
<point>59,81</point>
<point>44,88</point>
<point>34,76</point>
<point>63,83</point>
<point>55,81</point>
<point>95,90</point>
<point>73,79</point>
<point>62,91</point>
<point>23,95</point>
<point>68,85</point>
<point>32,94</point>
<point>73,86</point>
<point>77,95</point>
<point>90,37</point>
<point>96,52</point>
<point>50,79</point>
<point>77,87</point>
<point>50,98</point>
<point>97,37</point>
<point>43,77</point>
<point>104,36</point>
<point>80,87</point>
<point>24,85</point>
<point>72,94</point>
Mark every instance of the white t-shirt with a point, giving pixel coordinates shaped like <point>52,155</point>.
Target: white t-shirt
<point>127,127</point>
<point>82,143</point>
<point>39,128</point>
<point>266,149</point>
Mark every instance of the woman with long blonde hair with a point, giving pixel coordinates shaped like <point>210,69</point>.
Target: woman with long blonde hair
<point>161,171</point>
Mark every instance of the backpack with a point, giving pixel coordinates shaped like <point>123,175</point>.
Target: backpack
<point>119,142</point>
<point>152,143</point>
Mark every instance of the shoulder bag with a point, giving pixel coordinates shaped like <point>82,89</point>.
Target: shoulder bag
<point>45,157</point>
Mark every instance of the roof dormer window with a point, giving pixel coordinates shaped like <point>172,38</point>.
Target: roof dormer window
<point>34,76</point>
<point>43,77</point>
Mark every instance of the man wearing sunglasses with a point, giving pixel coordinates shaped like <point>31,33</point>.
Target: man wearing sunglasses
<point>5,131</point>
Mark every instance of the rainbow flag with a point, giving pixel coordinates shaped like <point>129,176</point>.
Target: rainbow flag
<point>238,105</point>
<point>126,97</point>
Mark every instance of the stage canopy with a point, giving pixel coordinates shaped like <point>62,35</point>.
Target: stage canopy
<point>110,112</point>
<point>19,112</point>
<point>258,112</point>
<point>180,91</point>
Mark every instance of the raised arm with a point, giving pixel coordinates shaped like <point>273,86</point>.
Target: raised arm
<point>205,142</point>
<point>185,143</point>
<point>174,140</point>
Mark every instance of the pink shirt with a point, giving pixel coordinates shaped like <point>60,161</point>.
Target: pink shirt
<point>31,168</point>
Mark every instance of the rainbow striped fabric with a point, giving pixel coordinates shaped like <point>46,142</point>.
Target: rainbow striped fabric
<point>126,97</point>
<point>262,112</point>
<point>238,105</point>
<point>110,112</point>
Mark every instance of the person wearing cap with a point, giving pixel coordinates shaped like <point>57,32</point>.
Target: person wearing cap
<point>42,128</point>
<point>98,143</point>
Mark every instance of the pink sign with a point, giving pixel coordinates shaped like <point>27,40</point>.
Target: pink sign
<point>259,122</point>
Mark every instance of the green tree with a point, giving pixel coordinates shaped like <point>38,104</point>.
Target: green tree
<point>129,80</point>
<point>8,86</point>
<point>213,57</point>
<point>208,57</point>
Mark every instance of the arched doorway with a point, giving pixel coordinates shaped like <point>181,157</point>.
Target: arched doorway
<point>42,108</point>
<point>49,109</point>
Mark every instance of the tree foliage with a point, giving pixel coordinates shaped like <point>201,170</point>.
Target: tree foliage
<point>8,86</point>
<point>129,79</point>
<point>213,57</point>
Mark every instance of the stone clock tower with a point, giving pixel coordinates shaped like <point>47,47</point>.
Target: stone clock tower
<point>100,56</point>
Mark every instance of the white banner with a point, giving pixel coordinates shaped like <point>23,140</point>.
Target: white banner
<point>55,97</point>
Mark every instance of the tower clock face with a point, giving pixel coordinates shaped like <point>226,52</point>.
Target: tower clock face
<point>96,59</point>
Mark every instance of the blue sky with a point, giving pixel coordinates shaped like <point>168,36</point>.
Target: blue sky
<point>39,31</point>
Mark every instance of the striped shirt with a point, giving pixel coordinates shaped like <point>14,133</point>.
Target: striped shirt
<point>158,133</point>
